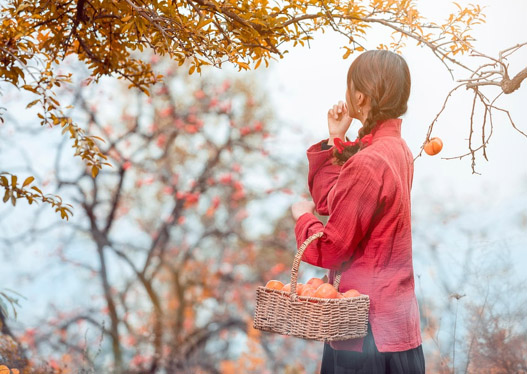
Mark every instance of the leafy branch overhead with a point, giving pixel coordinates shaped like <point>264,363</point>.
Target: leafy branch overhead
<point>13,192</point>
<point>39,34</point>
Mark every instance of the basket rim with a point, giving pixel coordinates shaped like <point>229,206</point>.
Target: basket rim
<point>294,297</point>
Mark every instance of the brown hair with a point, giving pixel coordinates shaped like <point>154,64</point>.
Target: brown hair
<point>384,77</point>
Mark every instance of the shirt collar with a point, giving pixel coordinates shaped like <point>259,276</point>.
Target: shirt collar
<point>390,127</point>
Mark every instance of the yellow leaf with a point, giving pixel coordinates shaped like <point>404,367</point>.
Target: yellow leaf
<point>127,27</point>
<point>7,195</point>
<point>32,103</point>
<point>94,171</point>
<point>28,181</point>
<point>243,65</point>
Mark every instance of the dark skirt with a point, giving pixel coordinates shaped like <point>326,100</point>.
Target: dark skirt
<point>371,361</point>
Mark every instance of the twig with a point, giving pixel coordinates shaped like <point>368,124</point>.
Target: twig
<point>510,119</point>
<point>472,132</point>
<point>480,316</point>
<point>457,297</point>
<point>511,50</point>
<point>430,128</point>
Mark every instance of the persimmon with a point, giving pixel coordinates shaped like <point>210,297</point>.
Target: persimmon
<point>351,293</point>
<point>299,288</point>
<point>326,291</point>
<point>315,282</point>
<point>433,146</point>
<point>307,290</point>
<point>274,285</point>
<point>340,296</point>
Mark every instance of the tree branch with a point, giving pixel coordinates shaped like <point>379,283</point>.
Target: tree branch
<point>510,85</point>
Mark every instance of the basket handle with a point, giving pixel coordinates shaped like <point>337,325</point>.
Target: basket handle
<point>298,259</point>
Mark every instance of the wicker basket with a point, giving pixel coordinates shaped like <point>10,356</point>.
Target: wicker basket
<point>310,318</point>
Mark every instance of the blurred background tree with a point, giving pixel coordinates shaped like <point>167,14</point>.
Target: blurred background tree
<point>165,255</point>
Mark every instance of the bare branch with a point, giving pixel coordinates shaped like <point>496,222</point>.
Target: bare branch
<point>511,85</point>
<point>472,132</point>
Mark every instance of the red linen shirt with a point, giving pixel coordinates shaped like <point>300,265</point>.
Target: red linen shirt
<point>368,233</point>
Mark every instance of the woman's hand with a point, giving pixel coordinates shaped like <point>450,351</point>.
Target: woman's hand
<point>301,207</point>
<point>338,122</point>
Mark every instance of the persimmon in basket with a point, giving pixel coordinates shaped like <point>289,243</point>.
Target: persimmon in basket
<point>315,282</point>
<point>274,285</point>
<point>308,291</point>
<point>299,286</point>
<point>326,291</point>
<point>351,293</point>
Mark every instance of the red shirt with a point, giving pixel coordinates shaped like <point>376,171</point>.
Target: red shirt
<point>368,234</point>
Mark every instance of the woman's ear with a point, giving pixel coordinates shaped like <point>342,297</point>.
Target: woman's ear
<point>360,98</point>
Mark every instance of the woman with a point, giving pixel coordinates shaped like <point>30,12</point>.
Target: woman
<point>364,186</point>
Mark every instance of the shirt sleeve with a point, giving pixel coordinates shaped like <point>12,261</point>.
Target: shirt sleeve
<point>356,202</point>
<point>322,175</point>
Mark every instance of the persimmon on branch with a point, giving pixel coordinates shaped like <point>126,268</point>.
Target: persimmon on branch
<point>494,72</point>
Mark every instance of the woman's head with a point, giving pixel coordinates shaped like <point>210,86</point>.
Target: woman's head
<point>380,81</point>
<point>378,87</point>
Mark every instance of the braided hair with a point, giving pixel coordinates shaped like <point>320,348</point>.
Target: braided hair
<point>384,78</point>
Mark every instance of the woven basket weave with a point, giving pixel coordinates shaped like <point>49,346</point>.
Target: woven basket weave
<point>310,318</point>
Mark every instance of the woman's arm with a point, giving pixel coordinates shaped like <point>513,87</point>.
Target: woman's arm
<point>355,203</point>
<point>323,174</point>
